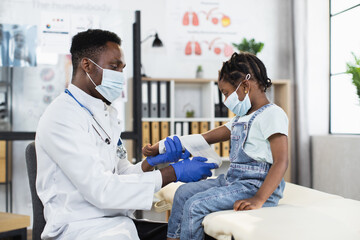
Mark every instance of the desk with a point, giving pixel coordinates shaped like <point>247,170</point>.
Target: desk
<point>13,225</point>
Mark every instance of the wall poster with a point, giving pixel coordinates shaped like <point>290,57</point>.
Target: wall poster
<point>202,29</point>
<point>18,45</point>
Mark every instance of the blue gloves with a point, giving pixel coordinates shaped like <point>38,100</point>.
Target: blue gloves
<point>173,153</point>
<point>193,170</point>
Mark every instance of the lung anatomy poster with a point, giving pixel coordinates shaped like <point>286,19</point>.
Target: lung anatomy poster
<point>202,29</point>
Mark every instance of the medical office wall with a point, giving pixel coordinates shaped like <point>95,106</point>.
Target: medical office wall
<point>34,87</point>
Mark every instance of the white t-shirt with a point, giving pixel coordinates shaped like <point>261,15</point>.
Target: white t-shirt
<point>272,120</point>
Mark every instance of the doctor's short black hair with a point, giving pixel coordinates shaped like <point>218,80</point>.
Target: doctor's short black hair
<point>239,65</point>
<point>90,44</point>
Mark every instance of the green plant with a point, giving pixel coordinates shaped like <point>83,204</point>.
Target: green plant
<point>354,69</point>
<point>249,46</point>
<point>199,68</point>
<point>190,113</point>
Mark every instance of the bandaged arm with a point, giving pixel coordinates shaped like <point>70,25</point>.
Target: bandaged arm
<point>197,146</point>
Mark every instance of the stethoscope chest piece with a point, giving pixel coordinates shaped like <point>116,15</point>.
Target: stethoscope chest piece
<point>121,151</point>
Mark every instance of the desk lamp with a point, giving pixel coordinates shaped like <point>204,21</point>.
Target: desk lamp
<point>156,43</point>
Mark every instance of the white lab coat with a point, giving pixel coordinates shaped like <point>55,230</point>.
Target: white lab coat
<point>87,191</point>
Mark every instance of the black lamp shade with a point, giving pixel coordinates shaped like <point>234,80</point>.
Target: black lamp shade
<point>157,42</point>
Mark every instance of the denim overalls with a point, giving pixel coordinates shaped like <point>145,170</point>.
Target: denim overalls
<point>193,201</point>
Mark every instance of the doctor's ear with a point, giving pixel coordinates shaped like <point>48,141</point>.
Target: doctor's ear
<point>85,65</point>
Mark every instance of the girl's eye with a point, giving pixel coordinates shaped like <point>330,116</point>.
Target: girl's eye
<point>113,66</point>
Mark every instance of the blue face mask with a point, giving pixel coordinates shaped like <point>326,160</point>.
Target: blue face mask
<point>112,83</point>
<point>240,108</point>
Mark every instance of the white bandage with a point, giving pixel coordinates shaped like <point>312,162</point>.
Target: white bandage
<point>162,148</point>
<point>197,146</point>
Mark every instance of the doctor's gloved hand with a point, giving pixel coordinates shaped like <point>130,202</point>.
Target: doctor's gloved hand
<point>172,154</point>
<point>193,170</point>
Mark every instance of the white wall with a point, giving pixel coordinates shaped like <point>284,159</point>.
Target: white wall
<point>318,67</point>
<point>263,19</point>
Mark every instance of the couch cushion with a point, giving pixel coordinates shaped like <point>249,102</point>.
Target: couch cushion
<point>284,222</point>
<point>303,213</point>
<point>298,195</point>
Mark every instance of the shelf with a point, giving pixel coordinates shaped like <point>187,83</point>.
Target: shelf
<point>192,120</point>
<point>180,80</point>
<point>205,119</point>
<point>218,119</point>
<point>156,119</point>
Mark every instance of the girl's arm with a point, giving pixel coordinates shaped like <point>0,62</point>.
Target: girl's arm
<point>279,149</point>
<point>215,135</point>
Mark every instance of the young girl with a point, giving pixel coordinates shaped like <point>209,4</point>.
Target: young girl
<point>258,153</point>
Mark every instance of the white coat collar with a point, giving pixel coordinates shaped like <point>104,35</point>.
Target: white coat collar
<point>93,104</point>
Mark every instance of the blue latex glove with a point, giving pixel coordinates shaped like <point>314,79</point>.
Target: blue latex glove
<point>172,153</point>
<point>193,170</point>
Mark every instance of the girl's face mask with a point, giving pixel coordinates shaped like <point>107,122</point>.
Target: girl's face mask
<point>112,83</point>
<point>240,108</point>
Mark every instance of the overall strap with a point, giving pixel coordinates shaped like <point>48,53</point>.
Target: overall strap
<point>260,110</point>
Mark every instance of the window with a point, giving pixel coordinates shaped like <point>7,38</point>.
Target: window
<point>344,39</point>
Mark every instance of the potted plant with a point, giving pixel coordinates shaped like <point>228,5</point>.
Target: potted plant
<point>354,69</point>
<point>199,72</point>
<point>249,46</point>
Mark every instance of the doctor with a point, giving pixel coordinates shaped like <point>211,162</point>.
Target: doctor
<point>87,186</point>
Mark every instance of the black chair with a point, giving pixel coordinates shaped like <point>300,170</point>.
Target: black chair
<point>38,214</point>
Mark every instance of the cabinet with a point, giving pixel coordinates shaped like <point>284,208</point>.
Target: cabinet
<point>198,96</point>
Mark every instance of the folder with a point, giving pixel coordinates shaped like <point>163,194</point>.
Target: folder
<point>217,146</point>
<point>145,99</point>
<point>164,130</point>
<point>185,129</point>
<point>224,109</point>
<point>217,97</point>
<point>164,99</point>
<point>204,127</point>
<point>154,113</point>
<point>145,134</point>
<point>225,147</point>
<point>178,128</point>
<point>2,161</point>
<point>155,132</point>
<point>231,114</point>
<point>195,128</point>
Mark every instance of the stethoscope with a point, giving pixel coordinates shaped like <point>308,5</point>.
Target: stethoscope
<point>120,150</point>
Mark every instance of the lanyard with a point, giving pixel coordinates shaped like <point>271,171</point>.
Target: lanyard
<point>106,140</point>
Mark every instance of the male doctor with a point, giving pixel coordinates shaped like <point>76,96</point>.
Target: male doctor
<point>87,186</point>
